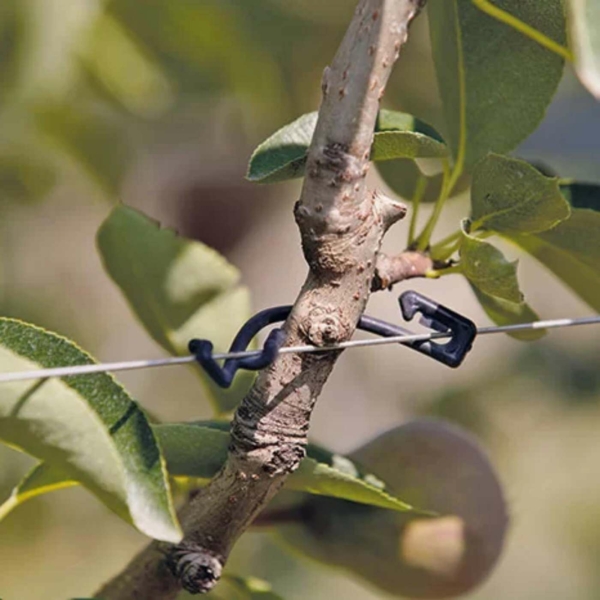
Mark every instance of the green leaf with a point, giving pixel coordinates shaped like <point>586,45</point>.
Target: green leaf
<point>42,479</point>
<point>509,195</point>
<point>494,281</point>
<point>486,268</point>
<point>495,83</point>
<point>572,252</point>
<point>178,288</point>
<point>584,22</point>
<point>283,155</point>
<point>504,312</point>
<point>397,135</point>
<point>199,450</point>
<point>400,135</point>
<point>433,465</point>
<point>582,195</point>
<point>86,427</point>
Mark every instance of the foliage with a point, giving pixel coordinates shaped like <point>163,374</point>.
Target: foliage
<point>88,431</point>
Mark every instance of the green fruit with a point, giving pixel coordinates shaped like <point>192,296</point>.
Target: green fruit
<point>435,467</point>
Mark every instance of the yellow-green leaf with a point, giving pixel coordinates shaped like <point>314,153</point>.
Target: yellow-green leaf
<point>179,289</point>
<point>86,427</point>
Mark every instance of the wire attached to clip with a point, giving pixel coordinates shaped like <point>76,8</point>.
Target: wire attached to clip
<point>461,331</point>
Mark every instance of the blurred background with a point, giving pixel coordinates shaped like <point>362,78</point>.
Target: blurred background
<point>159,104</point>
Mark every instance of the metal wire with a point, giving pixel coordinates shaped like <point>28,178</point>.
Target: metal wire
<point>400,339</point>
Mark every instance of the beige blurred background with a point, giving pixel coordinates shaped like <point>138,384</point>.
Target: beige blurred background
<point>159,104</point>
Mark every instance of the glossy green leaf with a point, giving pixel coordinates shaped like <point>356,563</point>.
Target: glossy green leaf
<point>397,135</point>
<point>494,82</point>
<point>178,288</point>
<point>572,252</point>
<point>509,195</point>
<point>584,26</point>
<point>486,268</point>
<point>436,466</point>
<point>504,312</point>
<point>582,195</point>
<point>86,427</point>
<point>199,450</point>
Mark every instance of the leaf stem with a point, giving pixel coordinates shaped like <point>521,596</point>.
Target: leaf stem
<point>537,36</point>
<point>445,242</point>
<point>418,194</point>
<point>422,241</point>
<point>437,273</point>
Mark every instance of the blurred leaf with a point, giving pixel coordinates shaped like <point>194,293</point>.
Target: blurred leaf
<point>582,195</point>
<point>509,195</point>
<point>126,71</point>
<point>584,26</point>
<point>486,268</point>
<point>504,312</point>
<point>397,135</point>
<point>495,83</point>
<point>572,252</point>
<point>24,177</point>
<point>87,427</point>
<point>42,479</point>
<point>93,139</point>
<point>179,289</point>
<point>436,466</point>
<point>199,450</point>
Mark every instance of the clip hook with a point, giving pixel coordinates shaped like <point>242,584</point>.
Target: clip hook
<point>435,316</point>
<point>442,319</point>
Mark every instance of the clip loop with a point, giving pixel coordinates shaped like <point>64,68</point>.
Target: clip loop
<point>442,319</point>
<point>434,315</point>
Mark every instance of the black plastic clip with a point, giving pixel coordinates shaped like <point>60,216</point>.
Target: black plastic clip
<point>435,316</point>
<point>442,319</point>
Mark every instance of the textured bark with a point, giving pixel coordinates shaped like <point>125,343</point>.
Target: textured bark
<point>393,269</point>
<point>342,225</point>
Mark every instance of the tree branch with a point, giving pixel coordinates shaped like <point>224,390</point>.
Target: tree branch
<point>342,226</point>
<point>393,269</point>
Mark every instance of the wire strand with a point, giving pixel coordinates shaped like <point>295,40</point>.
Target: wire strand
<point>181,360</point>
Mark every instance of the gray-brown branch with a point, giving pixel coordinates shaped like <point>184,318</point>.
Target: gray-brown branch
<point>342,225</point>
<point>393,269</point>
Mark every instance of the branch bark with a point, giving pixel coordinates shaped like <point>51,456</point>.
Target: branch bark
<point>394,269</point>
<point>342,225</point>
